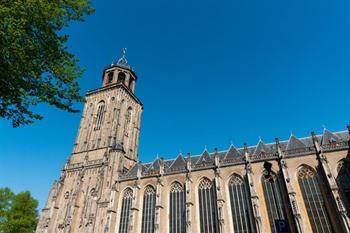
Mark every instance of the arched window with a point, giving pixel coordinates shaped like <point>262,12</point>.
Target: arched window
<point>127,121</point>
<point>121,77</point>
<point>110,77</point>
<point>207,207</point>
<point>239,205</point>
<point>343,180</point>
<point>314,201</point>
<point>276,206</point>
<point>177,209</point>
<point>100,115</point>
<point>148,210</point>
<point>125,211</point>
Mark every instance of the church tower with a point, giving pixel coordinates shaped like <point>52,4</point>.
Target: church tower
<point>105,146</point>
<point>112,113</point>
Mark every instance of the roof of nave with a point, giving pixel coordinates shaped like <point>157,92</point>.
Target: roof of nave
<point>294,146</point>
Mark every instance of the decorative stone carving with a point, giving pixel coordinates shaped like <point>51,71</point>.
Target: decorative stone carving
<point>345,220</point>
<point>220,200</point>
<point>290,189</point>
<point>159,205</point>
<point>189,203</point>
<point>254,199</point>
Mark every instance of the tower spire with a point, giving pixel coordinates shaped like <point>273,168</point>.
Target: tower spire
<point>124,51</point>
<point>122,60</point>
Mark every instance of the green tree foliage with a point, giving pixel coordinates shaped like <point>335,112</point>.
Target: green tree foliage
<point>18,212</point>
<point>6,196</point>
<point>35,66</point>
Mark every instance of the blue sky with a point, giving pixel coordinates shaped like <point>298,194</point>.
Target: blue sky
<point>210,73</point>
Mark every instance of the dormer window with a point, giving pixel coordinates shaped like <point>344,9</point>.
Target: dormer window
<point>110,77</point>
<point>121,77</point>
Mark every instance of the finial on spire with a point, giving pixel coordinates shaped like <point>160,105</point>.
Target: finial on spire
<point>124,51</point>
<point>245,146</point>
<point>122,61</point>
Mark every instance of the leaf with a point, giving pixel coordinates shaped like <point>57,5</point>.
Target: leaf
<point>35,65</point>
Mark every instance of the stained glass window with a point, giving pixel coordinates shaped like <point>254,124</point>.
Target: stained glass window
<point>276,206</point>
<point>207,207</point>
<point>343,180</point>
<point>239,205</point>
<point>314,201</point>
<point>125,211</point>
<point>148,210</point>
<point>177,209</point>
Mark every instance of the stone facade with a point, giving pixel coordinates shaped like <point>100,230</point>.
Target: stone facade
<point>104,170</point>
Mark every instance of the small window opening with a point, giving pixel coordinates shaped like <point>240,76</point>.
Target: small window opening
<point>110,77</point>
<point>121,77</point>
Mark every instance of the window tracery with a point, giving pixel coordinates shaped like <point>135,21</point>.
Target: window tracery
<point>125,211</point>
<point>276,206</point>
<point>148,211</point>
<point>314,201</point>
<point>343,180</point>
<point>207,207</point>
<point>239,205</point>
<point>177,209</point>
<point>100,115</point>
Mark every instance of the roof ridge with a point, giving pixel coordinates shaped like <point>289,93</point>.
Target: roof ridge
<point>301,139</point>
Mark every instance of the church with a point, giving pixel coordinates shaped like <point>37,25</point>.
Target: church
<point>300,185</point>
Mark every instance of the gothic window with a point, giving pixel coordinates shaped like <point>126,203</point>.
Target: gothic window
<point>239,205</point>
<point>100,115</point>
<point>207,207</point>
<point>276,206</point>
<point>177,209</point>
<point>314,201</point>
<point>121,77</point>
<point>127,122</point>
<point>148,210</point>
<point>343,180</point>
<point>110,77</point>
<point>125,211</point>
